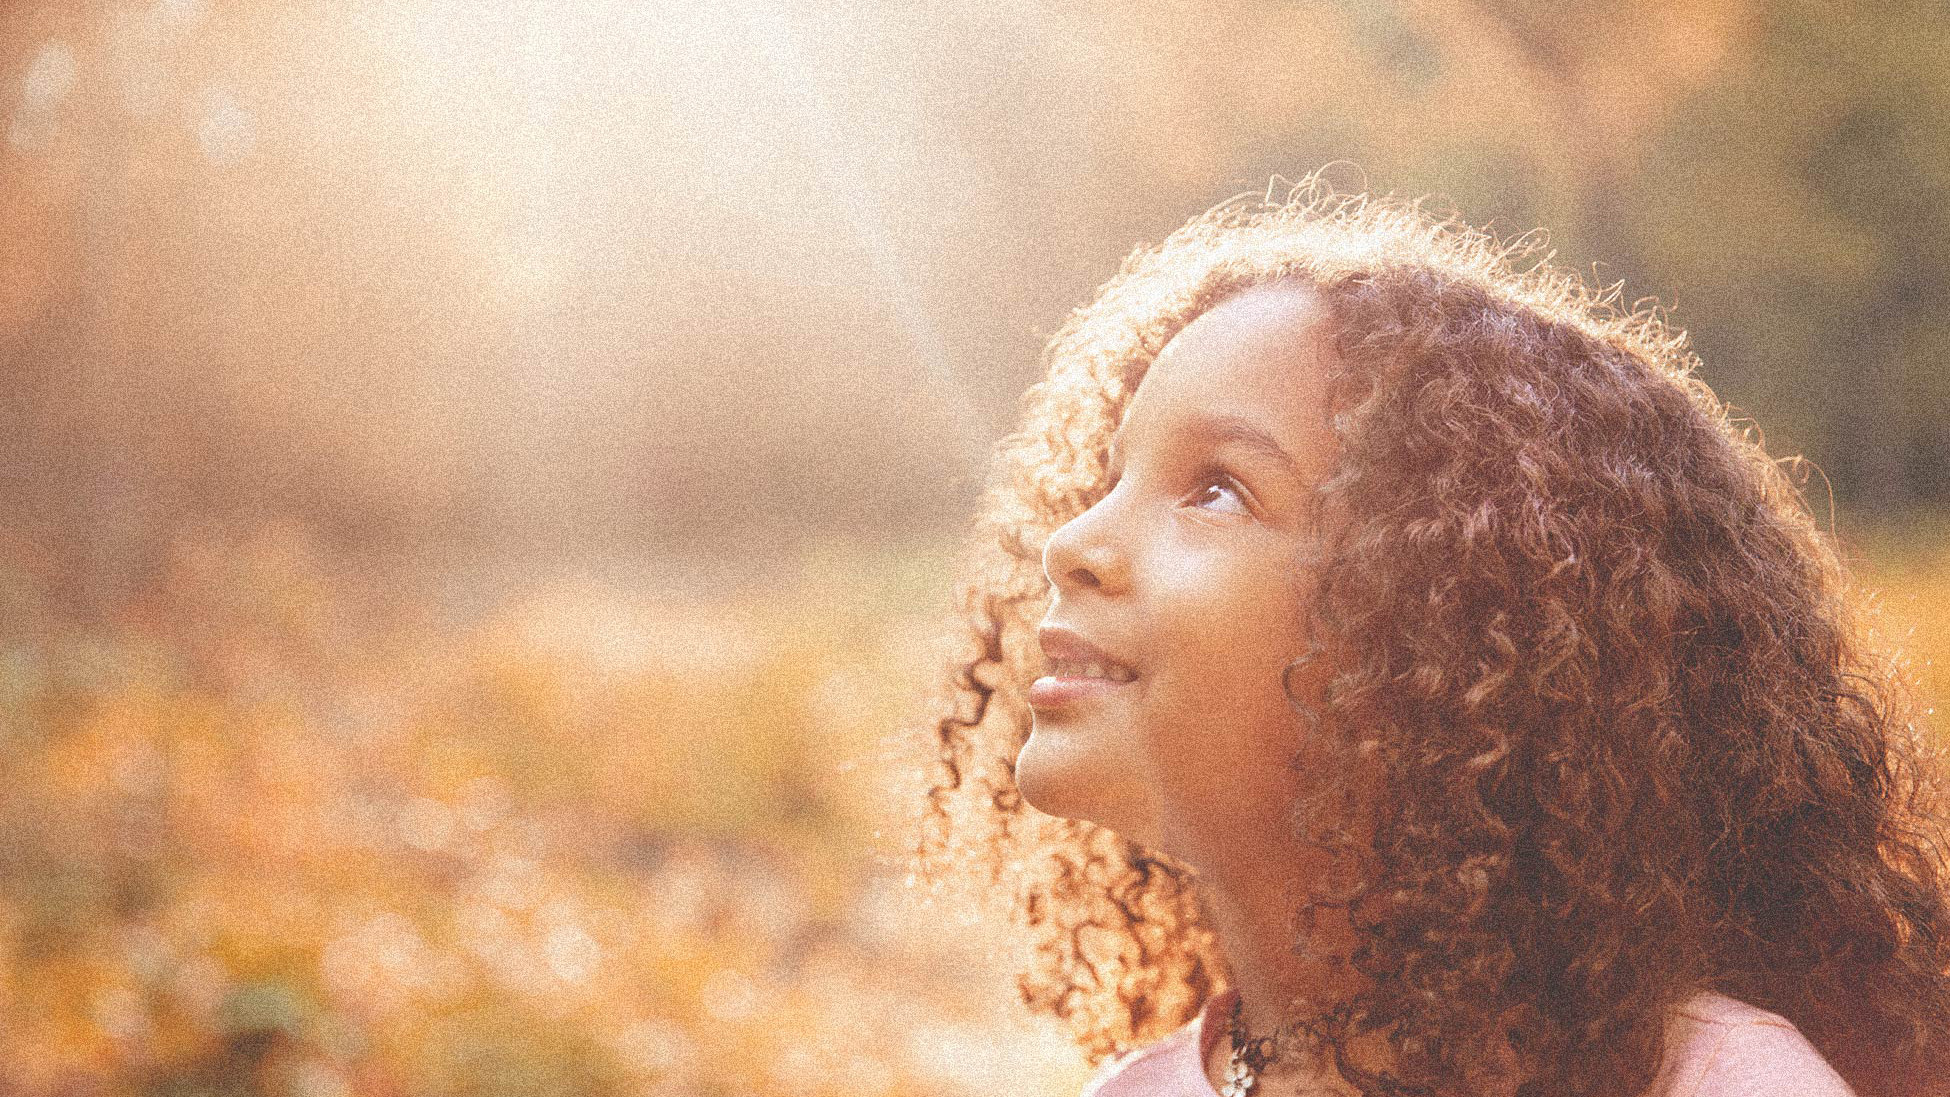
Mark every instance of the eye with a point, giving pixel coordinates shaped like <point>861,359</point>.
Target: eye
<point>1215,486</point>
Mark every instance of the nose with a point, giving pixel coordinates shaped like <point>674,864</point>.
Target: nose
<point>1081,555</point>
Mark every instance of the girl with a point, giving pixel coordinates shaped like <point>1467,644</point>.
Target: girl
<point>1391,672</point>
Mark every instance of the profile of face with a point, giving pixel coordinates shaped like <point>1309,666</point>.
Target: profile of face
<point>1183,584</point>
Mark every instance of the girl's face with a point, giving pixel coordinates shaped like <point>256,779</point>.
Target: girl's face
<point>1186,575</point>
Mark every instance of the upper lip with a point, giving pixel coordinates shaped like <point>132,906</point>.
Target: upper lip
<point>1065,643</point>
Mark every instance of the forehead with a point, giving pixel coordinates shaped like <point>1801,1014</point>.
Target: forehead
<point>1259,355</point>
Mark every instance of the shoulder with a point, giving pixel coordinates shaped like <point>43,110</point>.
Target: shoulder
<point>1161,1069</point>
<point>1171,1067</point>
<point>1722,1047</point>
<point>1133,1073</point>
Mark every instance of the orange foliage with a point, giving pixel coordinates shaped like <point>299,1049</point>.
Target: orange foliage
<point>269,836</point>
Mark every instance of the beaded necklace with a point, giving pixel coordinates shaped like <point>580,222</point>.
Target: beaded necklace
<point>1248,1057</point>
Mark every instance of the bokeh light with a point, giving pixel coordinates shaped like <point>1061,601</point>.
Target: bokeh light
<point>483,480</point>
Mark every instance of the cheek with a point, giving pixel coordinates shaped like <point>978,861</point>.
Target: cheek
<point>1228,639</point>
<point>1223,719</point>
<point>1221,725</point>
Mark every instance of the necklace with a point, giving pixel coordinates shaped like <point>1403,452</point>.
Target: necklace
<point>1247,1059</point>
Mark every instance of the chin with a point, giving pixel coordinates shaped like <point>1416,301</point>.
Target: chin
<point>1034,778</point>
<point>1052,779</point>
<point>1056,779</point>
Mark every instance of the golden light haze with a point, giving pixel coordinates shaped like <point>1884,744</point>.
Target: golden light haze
<point>480,479</point>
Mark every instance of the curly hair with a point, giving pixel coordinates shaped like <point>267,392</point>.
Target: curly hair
<point>1632,721</point>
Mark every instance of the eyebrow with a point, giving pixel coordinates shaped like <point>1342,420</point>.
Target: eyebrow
<point>1234,430</point>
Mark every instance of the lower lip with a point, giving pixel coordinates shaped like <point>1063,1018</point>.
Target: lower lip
<point>1051,692</point>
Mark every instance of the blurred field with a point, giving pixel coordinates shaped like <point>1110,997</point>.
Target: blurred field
<point>1909,568</point>
<point>281,833</point>
<point>276,836</point>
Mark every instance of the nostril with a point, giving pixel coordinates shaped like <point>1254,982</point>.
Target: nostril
<point>1077,557</point>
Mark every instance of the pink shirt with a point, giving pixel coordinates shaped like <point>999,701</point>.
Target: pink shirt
<point>1716,1047</point>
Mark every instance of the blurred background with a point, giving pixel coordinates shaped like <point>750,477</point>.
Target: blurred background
<point>480,479</point>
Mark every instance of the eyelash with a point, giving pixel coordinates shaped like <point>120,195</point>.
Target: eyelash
<point>1209,477</point>
<point>1213,477</point>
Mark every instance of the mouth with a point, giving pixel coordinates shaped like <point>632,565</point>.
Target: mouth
<point>1070,681</point>
<point>1075,668</point>
<point>1091,668</point>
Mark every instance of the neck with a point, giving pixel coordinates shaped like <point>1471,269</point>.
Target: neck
<point>1253,921</point>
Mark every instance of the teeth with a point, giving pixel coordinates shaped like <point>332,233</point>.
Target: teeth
<point>1073,668</point>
